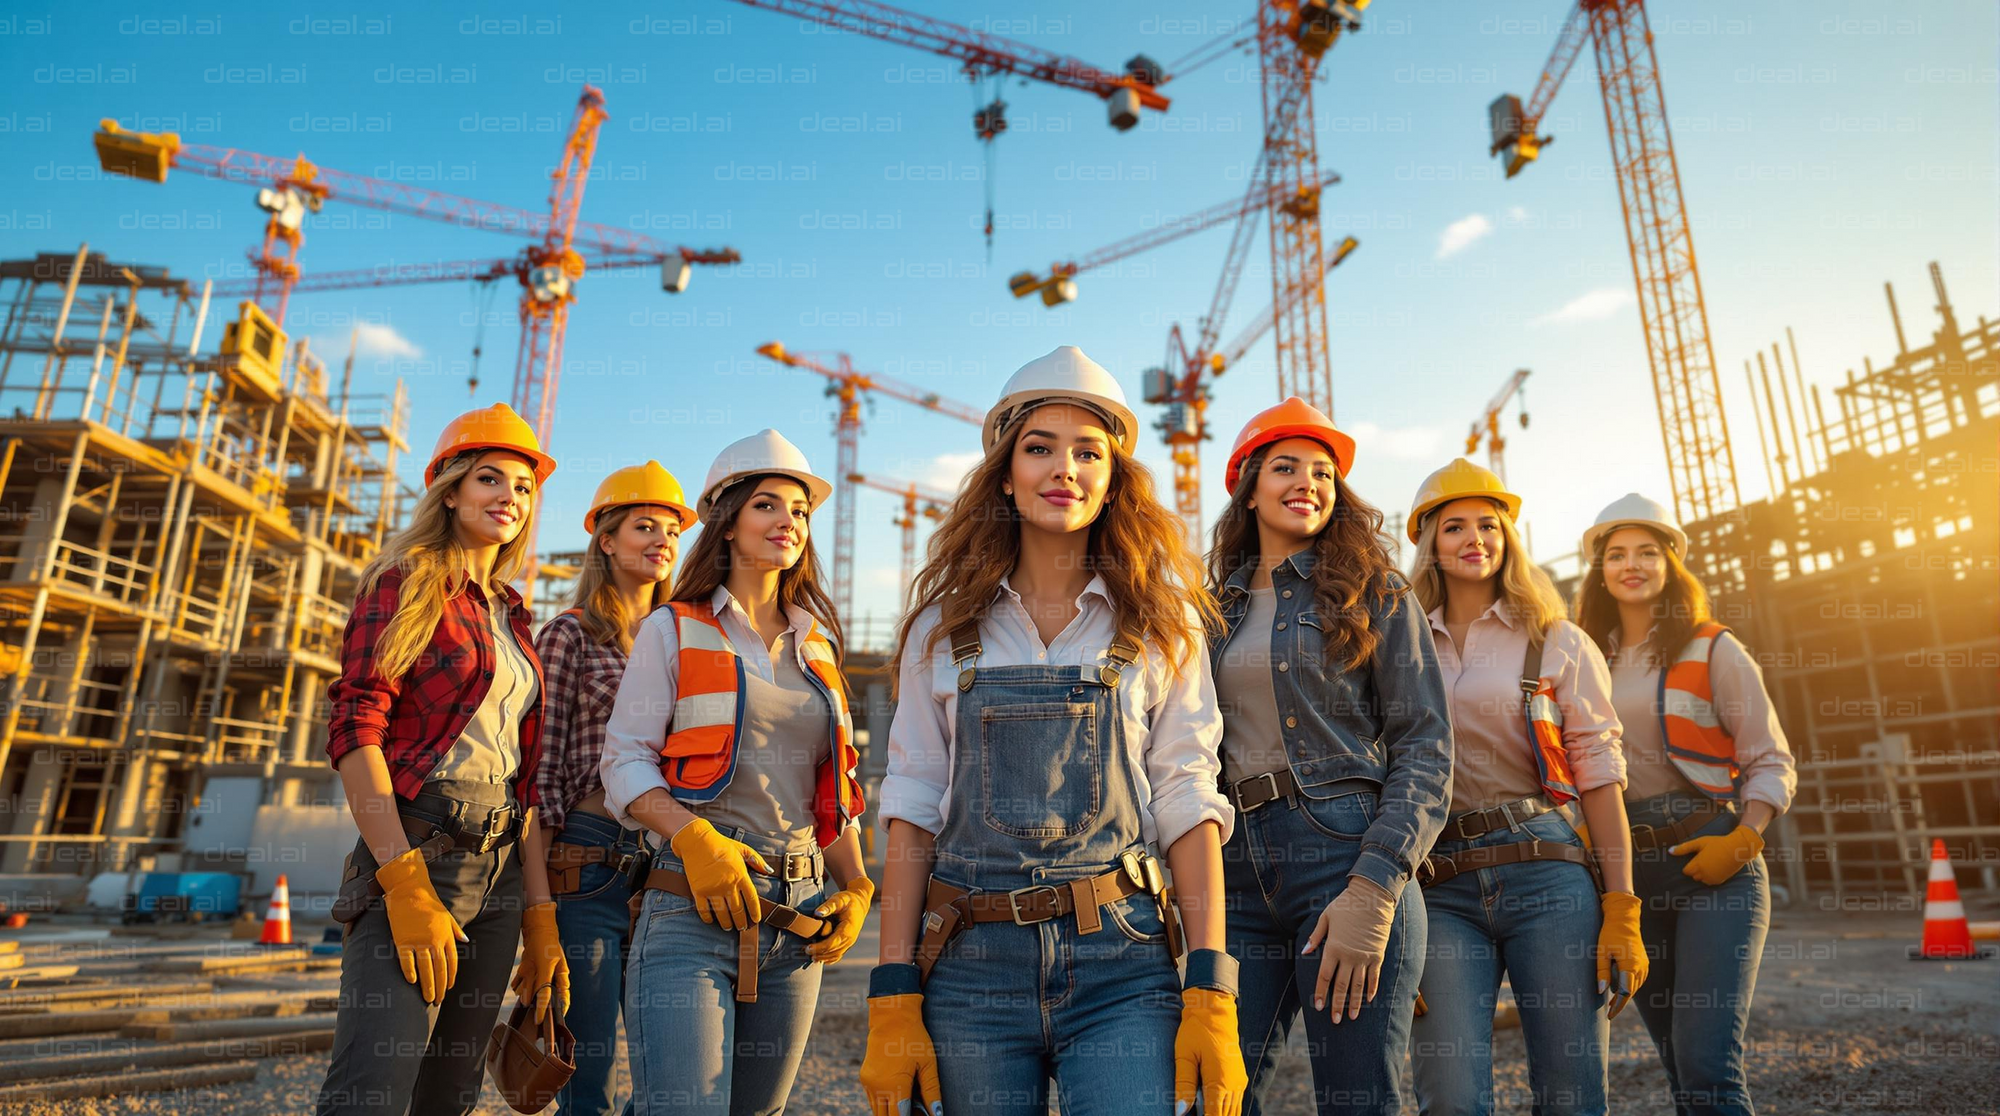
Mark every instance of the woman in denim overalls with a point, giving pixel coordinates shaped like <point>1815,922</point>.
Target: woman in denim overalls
<point>1055,722</point>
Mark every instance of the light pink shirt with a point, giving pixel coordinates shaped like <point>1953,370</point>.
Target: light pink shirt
<point>1492,758</point>
<point>1741,704</point>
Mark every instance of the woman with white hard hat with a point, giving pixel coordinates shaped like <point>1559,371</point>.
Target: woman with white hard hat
<point>1710,770</point>
<point>1335,751</point>
<point>435,729</point>
<point>1536,816</point>
<point>635,522</point>
<point>730,738</point>
<point>1055,732</point>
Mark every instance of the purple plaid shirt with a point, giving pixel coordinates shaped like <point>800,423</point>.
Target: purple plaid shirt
<point>582,676</point>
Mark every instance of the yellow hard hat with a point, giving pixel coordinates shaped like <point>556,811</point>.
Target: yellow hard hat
<point>1456,481</point>
<point>639,484</point>
<point>494,428</point>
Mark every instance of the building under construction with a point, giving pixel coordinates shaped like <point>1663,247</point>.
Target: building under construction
<point>183,533</point>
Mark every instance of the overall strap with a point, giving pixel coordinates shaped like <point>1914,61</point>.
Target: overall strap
<point>1123,652</point>
<point>1531,667</point>
<point>964,651</point>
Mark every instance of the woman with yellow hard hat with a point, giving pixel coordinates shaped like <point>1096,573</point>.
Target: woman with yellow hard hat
<point>1710,769</point>
<point>435,730</point>
<point>1335,752</point>
<point>635,523</point>
<point>1536,814</point>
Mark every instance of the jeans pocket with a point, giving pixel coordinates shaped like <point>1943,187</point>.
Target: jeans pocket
<point>592,880</point>
<point>1041,768</point>
<point>1138,918</point>
<point>1345,818</point>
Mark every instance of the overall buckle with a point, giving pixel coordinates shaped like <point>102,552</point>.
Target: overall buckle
<point>1014,903</point>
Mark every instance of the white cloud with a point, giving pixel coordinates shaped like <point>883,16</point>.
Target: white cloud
<point>371,339</point>
<point>1406,443</point>
<point>948,469</point>
<point>1517,213</point>
<point>1460,234</point>
<point>1594,306</point>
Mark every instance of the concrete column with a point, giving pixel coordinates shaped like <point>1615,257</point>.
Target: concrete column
<point>37,808</point>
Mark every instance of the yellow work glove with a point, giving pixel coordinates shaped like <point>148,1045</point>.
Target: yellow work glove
<point>844,913</point>
<point>426,935</point>
<point>718,872</point>
<point>544,973</point>
<point>1208,1054</point>
<point>900,1056</point>
<point>1618,940</point>
<point>1717,857</point>
<point>1354,928</point>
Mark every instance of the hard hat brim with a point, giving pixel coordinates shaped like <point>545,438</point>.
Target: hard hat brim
<point>1506,500</point>
<point>541,463</point>
<point>1009,411</point>
<point>681,512</point>
<point>1675,537</point>
<point>1338,444</point>
<point>817,488</point>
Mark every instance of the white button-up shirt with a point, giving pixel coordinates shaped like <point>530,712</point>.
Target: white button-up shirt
<point>642,711</point>
<point>1172,723</point>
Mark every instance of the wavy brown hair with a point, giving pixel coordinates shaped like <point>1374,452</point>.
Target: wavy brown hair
<point>1525,587</point>
<point>1136,545</point>
<point>1351,567</point>
<point>1681,605</point>
<point>596,597</point>
<point>706,566</point>
<point>428,554</point>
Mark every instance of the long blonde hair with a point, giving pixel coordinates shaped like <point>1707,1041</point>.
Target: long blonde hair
<point>596,598</point>
<point>428,556</point>
<point>1135,545</point>
<point>1525,589</point>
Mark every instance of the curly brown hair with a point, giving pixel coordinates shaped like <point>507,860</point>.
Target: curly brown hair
<point>707,565</point>
<point>1351,567</point>
<point>1676,611</point>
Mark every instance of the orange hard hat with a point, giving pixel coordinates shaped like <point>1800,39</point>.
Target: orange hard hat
<point>648,484</point>
<point>495,428</point>
<point>1294,418</point>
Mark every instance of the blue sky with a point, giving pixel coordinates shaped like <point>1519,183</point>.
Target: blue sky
<point>1823,149</point>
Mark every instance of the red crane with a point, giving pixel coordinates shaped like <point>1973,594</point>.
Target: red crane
<point>846,385</point>
<point>485,270</point>
<point>1687,389</point>
<point>918,500</point>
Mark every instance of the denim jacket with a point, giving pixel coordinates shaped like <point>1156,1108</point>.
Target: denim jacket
<point>1388,722</point>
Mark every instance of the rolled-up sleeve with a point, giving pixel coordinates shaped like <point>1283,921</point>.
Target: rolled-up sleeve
<point>1769,773</point>
<point>1591,731</point>
<point>640,717</point>
<point>1416,739</point>
<point>1182,764</point>
<point>359,701</point>
<point>919,765</point>
<point>559,644</point>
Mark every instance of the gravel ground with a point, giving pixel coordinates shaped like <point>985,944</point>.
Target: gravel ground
<point>1843,1023</point>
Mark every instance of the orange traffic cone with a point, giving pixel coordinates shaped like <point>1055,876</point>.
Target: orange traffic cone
<point>1946,933</point>
<point>278,917</point>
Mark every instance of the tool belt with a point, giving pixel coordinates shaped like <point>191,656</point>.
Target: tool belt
<point>1646,837</point>
<point>789,919</point>
<point>1438,867</point>
<point>1478,823</point>
<point>567,861</point>
<point>359,889</point>
<point>949,911</point>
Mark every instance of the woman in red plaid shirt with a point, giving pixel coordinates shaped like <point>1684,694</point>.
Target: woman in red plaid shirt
<point>436,731</point>
<point>635,523</point>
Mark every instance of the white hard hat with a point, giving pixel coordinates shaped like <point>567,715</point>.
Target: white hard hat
<point>1634,510</point>
<point>761,453</point>
<point>1063,375</point>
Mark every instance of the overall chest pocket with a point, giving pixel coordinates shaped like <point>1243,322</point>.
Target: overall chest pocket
<point>1041,768</point>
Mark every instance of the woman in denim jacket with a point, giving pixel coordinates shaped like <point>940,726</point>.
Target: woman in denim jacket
<point>1336,753</point>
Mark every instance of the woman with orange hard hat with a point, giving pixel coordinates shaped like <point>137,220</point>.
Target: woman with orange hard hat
<point>1336,754</point>
<point>436,733</point>
<point>635,523</point>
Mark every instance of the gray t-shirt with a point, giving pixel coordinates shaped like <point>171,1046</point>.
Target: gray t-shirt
<point>489,750</point>
<point>786,736</point>
<point>1252,741</point>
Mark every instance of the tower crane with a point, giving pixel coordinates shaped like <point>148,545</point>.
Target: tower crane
<point>846,385</point>
<point>918,500</point>
<point>1686,386</point>
<point>1487,425</point>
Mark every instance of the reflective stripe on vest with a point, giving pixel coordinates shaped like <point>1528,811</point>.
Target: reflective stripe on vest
<point>698,756</point>
<point>1698,745</point>
<point>1545,731</point>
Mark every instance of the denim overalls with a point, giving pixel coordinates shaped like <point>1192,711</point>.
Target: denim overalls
<point>1042,794</point>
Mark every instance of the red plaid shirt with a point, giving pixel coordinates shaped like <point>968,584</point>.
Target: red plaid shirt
<point>583,677</point>
<point>415,719</point>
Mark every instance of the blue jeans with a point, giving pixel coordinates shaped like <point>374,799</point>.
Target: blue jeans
<point>1537,921</point>
<point>595,924</point>
<point>1705,943</point>
<point>692,1047</point>
<point>1008,1007</point>
<point>1280,869</point>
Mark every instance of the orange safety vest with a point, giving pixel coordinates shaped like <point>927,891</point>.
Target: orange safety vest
<point>698,756</point>
<point>1696,741</point>
<point>1545,728</point>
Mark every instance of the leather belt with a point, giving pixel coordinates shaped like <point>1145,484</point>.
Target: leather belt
<point>1438,867</point>
<point>1478,823</point>
<point>359,889</point>
<point>1646,837</point>
<point>567,861</point>
<point>1259,791</point>
<point>789,919</point>
<point>949,910</point>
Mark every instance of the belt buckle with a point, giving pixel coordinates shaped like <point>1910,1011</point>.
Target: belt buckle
<point>1268,776</point>
<point>1014,903</point>
<point>1427,870</point>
